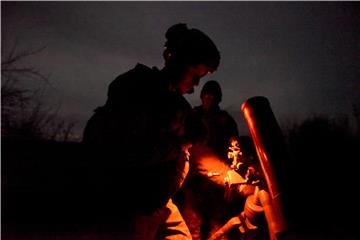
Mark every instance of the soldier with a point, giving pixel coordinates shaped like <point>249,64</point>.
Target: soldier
<point>140,138</point>
<point>203,203</point>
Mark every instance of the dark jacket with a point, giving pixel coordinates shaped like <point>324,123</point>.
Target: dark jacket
<point>136,139</point>
<point>220,128</point>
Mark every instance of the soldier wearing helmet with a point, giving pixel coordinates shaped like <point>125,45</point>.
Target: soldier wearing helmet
<point>203,201</point>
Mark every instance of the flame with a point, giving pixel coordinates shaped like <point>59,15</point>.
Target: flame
<point>234,152</point>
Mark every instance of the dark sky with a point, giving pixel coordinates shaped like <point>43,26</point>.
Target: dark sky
<point>303,56</point>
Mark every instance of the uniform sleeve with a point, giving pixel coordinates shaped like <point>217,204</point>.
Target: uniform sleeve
<point>174,227</point>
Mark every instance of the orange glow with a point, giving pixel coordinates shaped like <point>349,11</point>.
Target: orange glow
<point>185,149</point>
<point>248,118</point>
<point>212,165</point>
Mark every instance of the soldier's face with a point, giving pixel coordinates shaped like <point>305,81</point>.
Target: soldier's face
<point>207,100</point>
<point>191,78</point>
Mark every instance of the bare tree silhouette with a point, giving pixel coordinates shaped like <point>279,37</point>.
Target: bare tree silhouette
<point>23,112</point>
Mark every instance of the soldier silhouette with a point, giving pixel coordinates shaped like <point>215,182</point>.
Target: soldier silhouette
<point>140,139</point>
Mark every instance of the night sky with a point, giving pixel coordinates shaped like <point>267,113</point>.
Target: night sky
<point>303,56</point>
